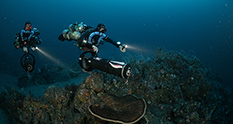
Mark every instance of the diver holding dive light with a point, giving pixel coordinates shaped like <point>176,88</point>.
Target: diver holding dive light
<point>26,38</point>
<point>88,38</point>
<point>89,41</point>
<point>93,37</point>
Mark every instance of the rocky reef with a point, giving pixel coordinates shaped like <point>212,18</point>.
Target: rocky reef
<point>49,74</point>
<point>169,88</point>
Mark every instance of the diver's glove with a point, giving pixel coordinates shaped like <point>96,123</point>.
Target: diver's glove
<point>25,49</point>
<point>33,49</point>
<point>95,48</point>
<point>123,47</point>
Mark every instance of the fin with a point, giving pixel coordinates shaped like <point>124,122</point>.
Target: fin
<point>61,38</point>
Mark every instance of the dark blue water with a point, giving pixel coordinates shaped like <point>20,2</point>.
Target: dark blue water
<point>200,27</point>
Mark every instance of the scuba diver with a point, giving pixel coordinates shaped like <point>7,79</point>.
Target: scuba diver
<point>88,39</point>
<point>27,37</point>
<point>73,32</point>
<point>89,42</point>
<point>93,37</point>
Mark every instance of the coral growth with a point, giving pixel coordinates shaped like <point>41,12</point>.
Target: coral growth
<point>177,89</point>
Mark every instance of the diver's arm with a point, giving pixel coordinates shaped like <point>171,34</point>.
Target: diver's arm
<point>117,44</point>
<point>36,41</point>
<point>32,33</point>
<point>111,41</point>
<point>61,38</point>
<point>21,34</point>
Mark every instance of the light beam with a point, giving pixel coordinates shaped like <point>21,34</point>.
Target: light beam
<point>138,49</point>
<point>51,58</point>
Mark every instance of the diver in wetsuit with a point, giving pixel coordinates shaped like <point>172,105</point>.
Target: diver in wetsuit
<point>27,37</point>
<point>89,42</point>
<point>93,37</point>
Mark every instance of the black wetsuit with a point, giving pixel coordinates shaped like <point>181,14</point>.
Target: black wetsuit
<point>28,38</point>
<point>93,37</point>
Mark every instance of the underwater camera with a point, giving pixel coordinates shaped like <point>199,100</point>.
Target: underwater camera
<point>89,63</point>
<point>28,62</point>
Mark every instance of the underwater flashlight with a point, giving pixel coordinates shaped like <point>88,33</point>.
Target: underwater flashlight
<point>124,46</point>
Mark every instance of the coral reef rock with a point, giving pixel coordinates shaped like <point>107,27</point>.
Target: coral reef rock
<point>168,88</point>
<point>49,74</point>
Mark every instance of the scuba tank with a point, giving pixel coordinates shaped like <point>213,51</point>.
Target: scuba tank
<point>116,68</point>
<point>28,62</point>
<point>68,35</point>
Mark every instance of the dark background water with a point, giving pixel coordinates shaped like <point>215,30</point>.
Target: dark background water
<point>199,27</point>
